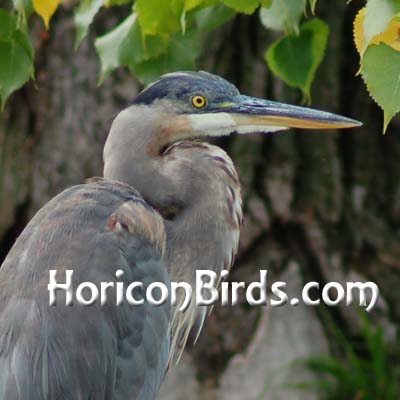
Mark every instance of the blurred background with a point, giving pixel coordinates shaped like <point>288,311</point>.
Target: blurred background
<point>318,206</point>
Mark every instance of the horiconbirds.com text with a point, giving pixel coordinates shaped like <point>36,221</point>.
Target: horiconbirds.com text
<point>207,291</point>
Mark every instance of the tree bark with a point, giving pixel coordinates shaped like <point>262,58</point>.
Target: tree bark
<point>321,207</point>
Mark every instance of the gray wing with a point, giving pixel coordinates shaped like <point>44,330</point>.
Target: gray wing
<point>84,352</point>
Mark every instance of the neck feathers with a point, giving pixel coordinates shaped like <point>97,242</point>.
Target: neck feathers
<point>199,183</point>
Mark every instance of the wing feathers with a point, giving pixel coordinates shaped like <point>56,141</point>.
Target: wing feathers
<point>72,353</point>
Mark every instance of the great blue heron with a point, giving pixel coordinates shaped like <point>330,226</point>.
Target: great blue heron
<point>185,214</point>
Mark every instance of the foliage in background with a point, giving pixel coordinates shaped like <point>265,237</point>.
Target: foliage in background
<point>165,35</point>
<point>368,370</point>
<point>377,38</point>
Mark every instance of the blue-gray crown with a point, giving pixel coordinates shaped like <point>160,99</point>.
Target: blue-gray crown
<point>183,85</point>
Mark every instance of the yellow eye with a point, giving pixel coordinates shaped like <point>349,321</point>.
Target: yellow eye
<point>199,101</point>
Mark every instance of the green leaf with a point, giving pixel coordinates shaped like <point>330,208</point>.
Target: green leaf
<point>266,3</point>
<point>83,17</point>
<point>11,32</point>
<point>8,23</point>
<point>110,3</point>
<point>124,46</point>
<point>190,4</point>
<point>381,72</point>
<point>159,16</point>
<point>24,9</point>
<point>378,15</point>
<point>245,7</point>
<point>137,49</point>
<point>283,15</point>
<point>199,4</point>
<point>16,56</point>
<point>22,38</point>
<point>211,18</point>
<point>313,4</point>
<point>181,54</point>
<point>295,59</point>
<point>109,45</point>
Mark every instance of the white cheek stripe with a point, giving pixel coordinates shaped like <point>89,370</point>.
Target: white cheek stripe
<point>221,124</point>
<point>258,129</point>
<point>210,122</point>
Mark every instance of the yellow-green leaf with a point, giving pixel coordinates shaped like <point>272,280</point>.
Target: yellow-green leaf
<point>199,4</point>
<point>159,16</point>
<point>313,4</point>
<point>391,36</point>
<point>190,4</point>
<point>110,3</point>
<point>46,9</point>
<point>265,3</point>
<point>246,7</point>
<point>378,15</point>
<point>358,31</point>
<point>381,72</point>
<point>295,58</point>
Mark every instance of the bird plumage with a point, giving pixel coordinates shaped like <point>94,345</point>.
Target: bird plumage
<point>77,352</point>
<point>169,205</point>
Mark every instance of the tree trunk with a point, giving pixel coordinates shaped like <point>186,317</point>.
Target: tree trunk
<point>318,207</point>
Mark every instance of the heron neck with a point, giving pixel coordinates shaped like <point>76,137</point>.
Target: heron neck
<point>197,185</point>
<point>194,182</point>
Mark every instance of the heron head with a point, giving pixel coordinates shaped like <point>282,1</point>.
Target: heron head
<point>197,104</point>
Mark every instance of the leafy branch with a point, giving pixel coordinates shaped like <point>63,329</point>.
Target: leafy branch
<point>160,36</point>
<point>377,38</point>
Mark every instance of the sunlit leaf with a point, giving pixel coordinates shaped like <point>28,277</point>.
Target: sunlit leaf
<point>181,55</point>
<point>381,73</point>
<point>266,3</point>
<point>159,16</point>
<point>295,58</point>
<point>283,15</point>
<point>198,4</point>
<point>83,17</point>
<point>313,4</point>
<point>110,3</point>
<point>378,15</point>
<point>46,9</point>
<point>358,31</point>
<point>123,46</point>
<point>16,55</point>
<point>391,36</point>
<point>190,4</point>
<point>246,7</point>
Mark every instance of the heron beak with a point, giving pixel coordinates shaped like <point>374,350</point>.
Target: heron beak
<point>245,114</point>
<point>251,113</point>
